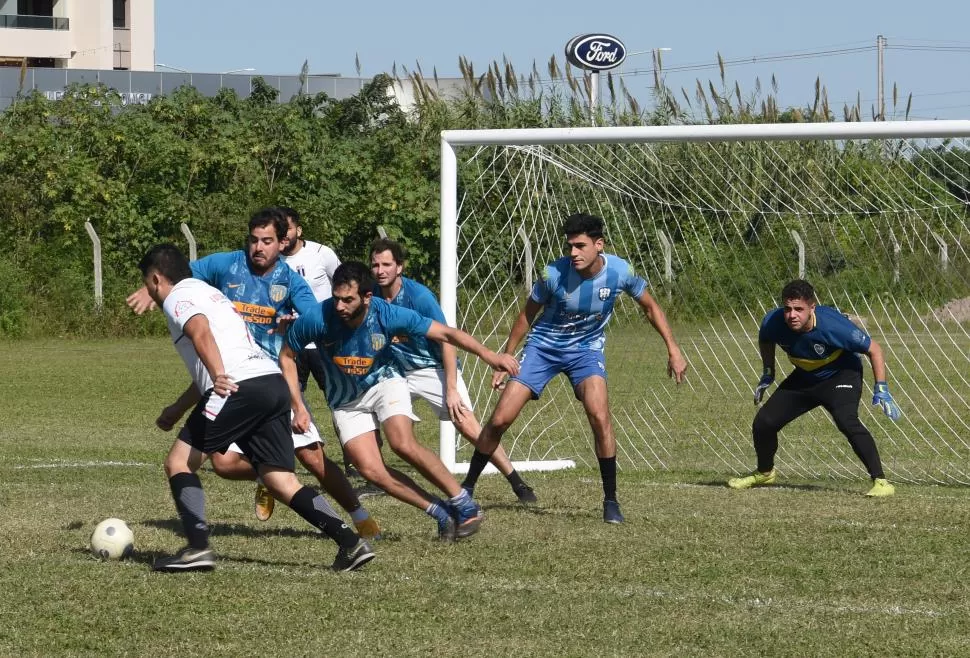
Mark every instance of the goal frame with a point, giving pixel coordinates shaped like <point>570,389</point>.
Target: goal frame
<point>451,140</point>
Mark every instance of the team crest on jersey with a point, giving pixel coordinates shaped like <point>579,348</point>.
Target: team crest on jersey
<point>277,293</point>
<point>182,307</point>
<point>604,294</point>
<point>819,349</point>
<point>378,341</point>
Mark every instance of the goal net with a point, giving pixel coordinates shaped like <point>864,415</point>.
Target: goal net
<point>718,219</point>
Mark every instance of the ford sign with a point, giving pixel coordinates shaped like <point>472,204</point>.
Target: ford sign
<point>596,52</point>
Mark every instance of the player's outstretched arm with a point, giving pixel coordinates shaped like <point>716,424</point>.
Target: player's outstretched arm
<point>198,331</point>
<point>140,301</point>
<point>174,412</point>
<point>881,395</point>
<point>676,363</point>
<point>301,417</point>
<point>445,334</point>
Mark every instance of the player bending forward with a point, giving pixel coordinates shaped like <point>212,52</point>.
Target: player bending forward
<point>244,399</point>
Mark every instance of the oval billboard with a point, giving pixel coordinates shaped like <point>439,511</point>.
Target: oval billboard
<point>595,52</point>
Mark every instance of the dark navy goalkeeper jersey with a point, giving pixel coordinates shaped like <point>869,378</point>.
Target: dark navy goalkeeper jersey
<point>833,343</point>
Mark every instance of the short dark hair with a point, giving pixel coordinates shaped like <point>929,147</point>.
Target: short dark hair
<point>398,252</point>
<point>353,270</point>
<point>798,289</point>
<point>581,223</point>
<point>289,213</point>
<point>269,217</point>
<point>168,260</point>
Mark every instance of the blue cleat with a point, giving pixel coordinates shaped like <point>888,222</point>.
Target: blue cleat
<point>447,530</point>
<point>468,518</point>
<point>611,512</point>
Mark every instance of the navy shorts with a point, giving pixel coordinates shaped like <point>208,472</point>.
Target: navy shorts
<point>539,365</point>
<point>256,418</point>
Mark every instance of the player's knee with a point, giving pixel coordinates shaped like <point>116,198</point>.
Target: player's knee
<point>372,471</point>
<point>763,423</point>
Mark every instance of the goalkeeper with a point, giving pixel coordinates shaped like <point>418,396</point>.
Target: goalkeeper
<point>824,346</point>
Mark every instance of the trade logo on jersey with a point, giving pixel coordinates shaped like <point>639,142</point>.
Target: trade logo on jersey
<point>819,349</point>
<point>604,294</point>
<point>377,342</point>
<point>277,293</point>
<point>354,365</point>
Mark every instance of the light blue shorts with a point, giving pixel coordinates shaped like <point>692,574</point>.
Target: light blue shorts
<point>539,365</point>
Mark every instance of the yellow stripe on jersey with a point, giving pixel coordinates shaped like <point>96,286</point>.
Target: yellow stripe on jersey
<point>814,364</point>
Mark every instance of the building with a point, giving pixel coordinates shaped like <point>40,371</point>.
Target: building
<point>78,34</point>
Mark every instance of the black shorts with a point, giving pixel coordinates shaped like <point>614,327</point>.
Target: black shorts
<point>256,418</point>
<point>310,362</point>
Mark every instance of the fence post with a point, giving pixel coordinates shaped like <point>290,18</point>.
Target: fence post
<point>381,232</point>
<point>528,258</point>
<point>944,252</point>
<point>98,287</point>
<point>801,253</point>
<point>896,250</point>
<point>187,232</point>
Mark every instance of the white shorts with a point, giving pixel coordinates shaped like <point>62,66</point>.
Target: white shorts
<point>308,438</point>
<point>378,403</point>
<point>429,384</point>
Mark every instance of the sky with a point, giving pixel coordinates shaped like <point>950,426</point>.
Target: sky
<point>927,42</point>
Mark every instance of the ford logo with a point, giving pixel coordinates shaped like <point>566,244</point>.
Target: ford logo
<point>595,52</point>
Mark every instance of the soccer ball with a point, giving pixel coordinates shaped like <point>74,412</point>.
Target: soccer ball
<point>112,539</point>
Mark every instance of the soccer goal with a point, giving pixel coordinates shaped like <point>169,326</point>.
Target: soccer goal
<point>718,218</point>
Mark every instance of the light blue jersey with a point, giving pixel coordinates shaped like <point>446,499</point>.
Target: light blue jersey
<point>258,299</point>
<point>577,309</point>
<point>409,352</point>
<point>355,358</point>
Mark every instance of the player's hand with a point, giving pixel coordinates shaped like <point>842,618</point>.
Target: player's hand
<point>766,380</point>
<point>676,366</point>
<point>301,420</point>
<point>283,323</point>
<point>223,386</point>
<point>167,419</point>
<point>498,380</point>
<point>884,399</point>
<point>504,362</point>
<point>456,408</point>
<point>140,301</point>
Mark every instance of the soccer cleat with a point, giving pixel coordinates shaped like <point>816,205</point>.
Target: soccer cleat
<point>881,488</point>
<point>188,559</point>
<point>368,529</point>
<point>264,503</point>
<point>468,518</point>
<point>525,494</point>
<point>611,512</point>
<point>349,559</point>
<point>447,530</point>
<point>756,479</point>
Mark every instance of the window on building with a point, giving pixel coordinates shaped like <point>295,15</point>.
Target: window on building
<point>120,10</point>
<point>35,7</point>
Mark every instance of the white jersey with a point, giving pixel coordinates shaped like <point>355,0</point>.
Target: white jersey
<point>242,358</point>
<point>316,263</point>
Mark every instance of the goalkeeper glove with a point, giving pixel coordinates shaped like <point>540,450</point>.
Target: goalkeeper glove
<point>884,399</point>
<point>766,379</point>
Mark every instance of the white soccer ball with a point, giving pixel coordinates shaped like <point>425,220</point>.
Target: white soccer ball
<point>112,539</point>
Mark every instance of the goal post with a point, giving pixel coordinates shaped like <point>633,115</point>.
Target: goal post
<point>718,218</point>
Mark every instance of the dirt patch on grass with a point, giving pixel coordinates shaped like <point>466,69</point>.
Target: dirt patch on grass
<point>957,310</point>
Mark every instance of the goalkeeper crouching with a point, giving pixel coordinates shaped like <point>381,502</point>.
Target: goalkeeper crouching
<point>823,345</point>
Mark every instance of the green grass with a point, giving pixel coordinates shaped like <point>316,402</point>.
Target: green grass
<point>807,568</point>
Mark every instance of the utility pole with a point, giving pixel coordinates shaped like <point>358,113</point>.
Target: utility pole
<point>880,69</point>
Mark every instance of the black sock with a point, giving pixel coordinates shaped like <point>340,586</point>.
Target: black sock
<point>515,479</point>
<point>608,473</point>
<point>317,511</point>
<point>190,503</point>
<point>478,463</point>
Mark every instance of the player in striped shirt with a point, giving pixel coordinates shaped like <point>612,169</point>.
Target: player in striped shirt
<point>575,296</point>
<point>431,368</point>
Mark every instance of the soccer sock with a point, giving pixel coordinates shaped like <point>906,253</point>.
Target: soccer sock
<point>608,473</point>
<point>190,503</point>
<point>317,511</point>
<point>437,510</point>
<point>462,499</point>
<point>359,514</point>
<point>515,479</point>
<point>478,463</point>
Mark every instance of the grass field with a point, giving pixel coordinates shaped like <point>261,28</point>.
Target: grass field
<point>807,568</point>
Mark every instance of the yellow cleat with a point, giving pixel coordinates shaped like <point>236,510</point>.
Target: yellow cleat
<point>264,503</point>
<point>881,488</point>
<point>368,529</point>
<point>756,479</point>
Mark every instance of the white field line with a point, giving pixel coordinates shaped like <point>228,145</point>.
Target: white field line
<point>79,464</point>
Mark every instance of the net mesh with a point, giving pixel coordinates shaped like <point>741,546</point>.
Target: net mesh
<point>878,226</point>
